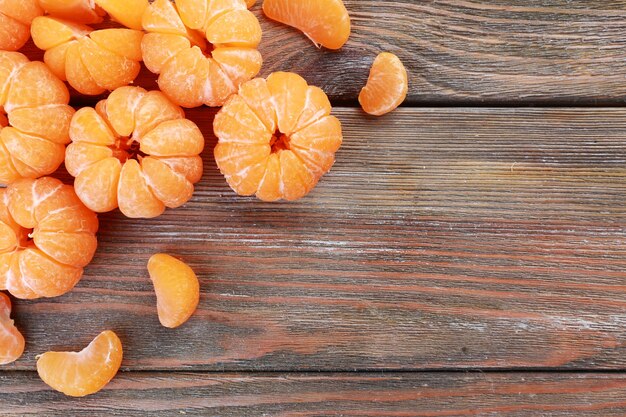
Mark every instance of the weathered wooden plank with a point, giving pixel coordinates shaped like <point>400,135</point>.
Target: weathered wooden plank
<point>459,51</point>
<point>300,395</point>
<point>464,238</point>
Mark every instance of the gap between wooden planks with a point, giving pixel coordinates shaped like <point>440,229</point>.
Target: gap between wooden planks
<point>307,395</point>
<point>443,238</point>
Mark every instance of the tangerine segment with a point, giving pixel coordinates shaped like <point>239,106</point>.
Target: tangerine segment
<point>15,19</point>
<point>127,12</point>
<point>135,151</point>
<point>78,374</point>
<point>177,289</point>
<point>79,11</point>
<point>190,73</point>
<point>276,137</point>
<point>325,22</point>
<point>36,103</point>
<point>386,87</point>
<point>11,340</point>
<point>91,61</point>
<point>63,238</point>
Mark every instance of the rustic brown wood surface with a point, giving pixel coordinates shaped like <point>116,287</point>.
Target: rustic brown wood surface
<point>310,395</point>
<point>465,52</point>
<point>463,238</point>
<point>460,238</point>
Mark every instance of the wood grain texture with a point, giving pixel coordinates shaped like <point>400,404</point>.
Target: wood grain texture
<point>443,238</point>
<point>465,51</point>
<point>307,395</point>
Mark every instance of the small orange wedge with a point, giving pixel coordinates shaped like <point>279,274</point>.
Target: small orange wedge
<point>325,22</point>
<point>276,137</point>
<point>386,87</point>
<point>126,12</point>
<point>11,340</point>
<point>86,372</point>
<point>177,289</point>
<point>15,19</point>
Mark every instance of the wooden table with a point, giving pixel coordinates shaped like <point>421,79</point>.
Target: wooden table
<point>466,256</point>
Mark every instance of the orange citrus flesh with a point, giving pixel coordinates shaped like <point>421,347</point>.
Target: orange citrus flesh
<point>15,19</point>
<point>11,340</point>
<point>135,151</point>
<point>47,237</point>
<point>386,87</point>
<point>126,12</point>
<point>177,289</point>
<point>90,61</point>
<point>250,3</point>
<point>325,22</point>
<point>86,372</point>
<point>201,49</point>
<point>79,11</point>
<point>276,137</point>
<point>36,103</point>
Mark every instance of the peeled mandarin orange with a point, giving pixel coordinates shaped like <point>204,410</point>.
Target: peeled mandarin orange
<point>276,137</point>
<point>47,237</point>
<point>15,19</point>
<point>135,151</point>
<point>325,22</point>
<point>91,61</point>
<point>11,340</point>
<point>126,12</point>
<point>177,289</point>
<point>36,103</point>
<point>201,49</point>
<point>86,372</point>
<point>386,87</point>
<point>250,3</point>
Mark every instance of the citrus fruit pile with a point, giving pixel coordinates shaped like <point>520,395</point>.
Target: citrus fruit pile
<point>136,151</point>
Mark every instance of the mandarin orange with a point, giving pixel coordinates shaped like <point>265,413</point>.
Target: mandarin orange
<point>47,237</point>
<point>11,340</point>
<point>176,287</point>
<point>386,87</point>
<point>325,22</point>
<point>201,49</point>
<point>90,61</point>
<point>15,19</point>
<point>135,151</point>
<point>86,372</point>
<point>36,102</point>
<point>276,137</point>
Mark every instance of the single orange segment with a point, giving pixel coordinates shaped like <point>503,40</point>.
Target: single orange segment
<point>201,49</point>
<point>11,340</point>
<point>126,12</point>
<point>386,87</point>
<point>79,11</point>
<point>276,137</point>
<point>176,287</point>
<point>325,22</point>
<point>86,372</point>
